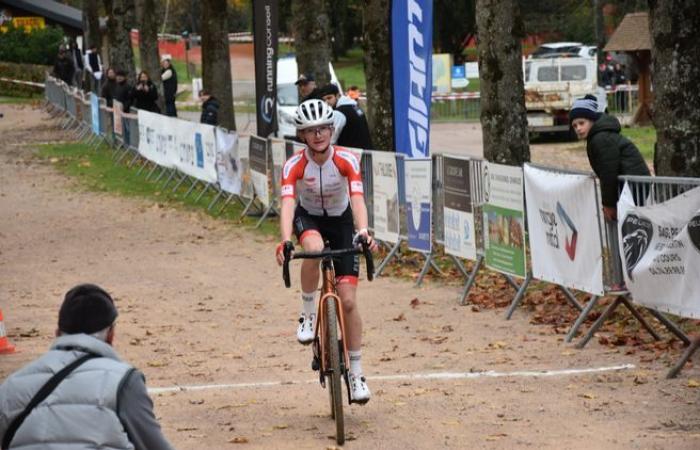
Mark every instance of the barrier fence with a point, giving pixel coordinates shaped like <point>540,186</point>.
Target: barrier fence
<point>474,210</point>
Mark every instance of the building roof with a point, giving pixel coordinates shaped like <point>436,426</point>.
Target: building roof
<point>631,35</point>
<point>57,12</point>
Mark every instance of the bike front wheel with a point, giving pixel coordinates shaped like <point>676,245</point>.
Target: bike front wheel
<point>334,375</point>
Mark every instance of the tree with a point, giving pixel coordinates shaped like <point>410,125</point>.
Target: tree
<point>148,42</point>
<point>312,38</point>
<point>91,25</point>
<point>120,20</point>
<point>453,23</point>
<point>377,55</point>
<point>503,115</point>
<point>216,60</point>
<point>674,26</point>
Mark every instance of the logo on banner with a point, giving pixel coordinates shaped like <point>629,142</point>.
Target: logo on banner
<point>267,108</point>
<point>199,149</point>
<point>551,233</point>
<point>569,244</point>
<point>694,231</point>
<point>636,236</point>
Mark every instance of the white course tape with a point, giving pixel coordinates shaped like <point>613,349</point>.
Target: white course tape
<point>402,377</point>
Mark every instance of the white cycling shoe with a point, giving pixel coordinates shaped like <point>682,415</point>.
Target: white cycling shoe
<point>359,391</point>
<point>305,332</point>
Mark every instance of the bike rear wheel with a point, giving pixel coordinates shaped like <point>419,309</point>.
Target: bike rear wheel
<point>334,376</point>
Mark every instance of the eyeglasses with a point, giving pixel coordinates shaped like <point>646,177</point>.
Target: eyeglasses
<point>317,131</point>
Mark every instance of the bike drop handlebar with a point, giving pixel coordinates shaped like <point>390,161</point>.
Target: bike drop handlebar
<point>363,249</point>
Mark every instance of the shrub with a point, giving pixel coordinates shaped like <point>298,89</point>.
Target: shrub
<point>39,46</point>
<point>25,72</point>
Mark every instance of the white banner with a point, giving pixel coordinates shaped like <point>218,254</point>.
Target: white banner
<point>419,199</point>
<point>258,169</point>
<point>244,155</point>
<point>458,216</point>
<point>228,163</point>
<point>385,196</point>
<point>279,157</point>
<point>156,139</point>
<point>660,251</point>
<point>564,234</point>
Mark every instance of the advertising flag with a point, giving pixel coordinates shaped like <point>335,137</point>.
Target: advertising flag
<point>265,28</point>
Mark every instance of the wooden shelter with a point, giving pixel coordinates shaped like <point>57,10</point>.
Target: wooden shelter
<point>633,37</point>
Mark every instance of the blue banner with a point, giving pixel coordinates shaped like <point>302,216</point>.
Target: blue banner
<point>418,194</point>
<point>412,50</point>
<point>95,107</point>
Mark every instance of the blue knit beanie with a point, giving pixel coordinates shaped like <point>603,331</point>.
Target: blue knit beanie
<point>585,108</point>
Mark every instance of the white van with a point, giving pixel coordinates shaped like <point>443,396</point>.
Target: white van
<point>288,94</point>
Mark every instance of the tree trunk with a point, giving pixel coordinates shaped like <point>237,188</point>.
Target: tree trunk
<point>377,56</point>
<point>216,61</point>
<point>503,115</point>
<point>121,18</point>
<point>91,25</point>
<point>312,38</point>
<point>674,26</point>
<point>338,16</point>
<point>148,43</point>
<point>599,30</point>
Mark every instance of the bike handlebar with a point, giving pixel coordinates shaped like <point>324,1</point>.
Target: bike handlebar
<point>363,249</point>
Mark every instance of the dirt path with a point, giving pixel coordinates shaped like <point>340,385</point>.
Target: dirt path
<point>202,303</point>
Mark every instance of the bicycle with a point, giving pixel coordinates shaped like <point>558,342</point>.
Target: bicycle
<point>330,327</point>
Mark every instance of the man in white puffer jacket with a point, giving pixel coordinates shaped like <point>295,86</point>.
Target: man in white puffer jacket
<point>102,403</point>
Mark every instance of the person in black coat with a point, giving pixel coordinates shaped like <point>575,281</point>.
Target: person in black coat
<point>64,68</point>
<point>109,86</point>
<point>210,108</point>
<point>145,94</point>
<point>349,121</point>
<point>122,90</point>
<point>169,78</point>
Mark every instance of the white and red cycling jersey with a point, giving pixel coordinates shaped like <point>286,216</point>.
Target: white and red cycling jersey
<point>322,189</point>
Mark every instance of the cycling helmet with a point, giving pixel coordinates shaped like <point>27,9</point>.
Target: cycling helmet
<point>313,113</point>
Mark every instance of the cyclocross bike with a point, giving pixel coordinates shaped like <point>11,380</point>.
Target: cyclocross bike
<point>329,346</point>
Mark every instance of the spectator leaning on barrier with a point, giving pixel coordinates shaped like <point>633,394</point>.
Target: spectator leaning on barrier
<point>349,121</point>
<point>122,90</point>
<point>145,94</point>
<point>109,87</point>
<point>77,57</point>
<point>93,67</point>
<point>210,108</point>
<point>94,399</point>
<point>169,77</point>
<point>63,68</point>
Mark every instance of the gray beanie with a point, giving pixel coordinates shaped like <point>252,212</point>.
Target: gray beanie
<point>586,108</point>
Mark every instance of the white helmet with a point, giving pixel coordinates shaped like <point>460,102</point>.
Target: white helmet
<point>312,113</point>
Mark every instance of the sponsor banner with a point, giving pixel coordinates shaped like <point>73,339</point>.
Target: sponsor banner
<point>385,196</point>
<point>244,154</point>
<point>117,112</point>
<point>95,110</point>
<point>419,203</point>
<point>279,152</point>
<point>442,73</point>
<point>504,228</point>
<point>258,168</point>
<point>265,29</point>
<point>411,46</point>
<point>458,217</point>
<point>228,162</point>
<point>660,251</point>
<point>156,139</point>
<point>564,234</point>
<point>196,149</point>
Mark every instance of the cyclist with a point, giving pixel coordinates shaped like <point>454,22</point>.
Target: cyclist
<point>327,182</point>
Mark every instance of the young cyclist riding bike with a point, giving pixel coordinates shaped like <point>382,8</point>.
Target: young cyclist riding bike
<point>327,183</point>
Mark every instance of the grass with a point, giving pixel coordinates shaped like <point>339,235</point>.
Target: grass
<point>350,69</point>
<point>644,138</point>
<point>96,171</point>
<point>6,100</point>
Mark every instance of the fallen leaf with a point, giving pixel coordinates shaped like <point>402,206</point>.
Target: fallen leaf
<point>238,440</point>
<point>400,318</point>
<point>587,395</point>
<point>414,303</point>
<point>283,426</point>
<point>693,383</point>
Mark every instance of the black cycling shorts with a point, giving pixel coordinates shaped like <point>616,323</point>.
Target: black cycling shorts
<point>337,230</point>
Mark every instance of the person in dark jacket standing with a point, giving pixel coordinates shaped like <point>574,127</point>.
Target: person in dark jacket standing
<point>64,68</point>
<point>145,94</point>
<point>122,90</point>
<point>610,155</point>
<point>349,121</point>
<point>109,87</point>
<point>101,403</point>
<point>169,77</point>
<point>210,108</point>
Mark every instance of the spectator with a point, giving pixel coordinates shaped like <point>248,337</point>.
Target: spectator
<point>122,90</point>
<point>77,57</point>
<point>99,400</point>
<point>210,108</point>
<point>353,92</point>
<point>620,82</point>
<point>610,155</point>
<point>169,77</point>
<point>109,86</point>
<point>349,121</point>
<point>306,85</point>
<point>145,94</point>
<point>63,68</point>
<point>93,67</point>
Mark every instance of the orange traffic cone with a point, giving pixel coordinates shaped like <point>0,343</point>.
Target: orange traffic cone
<point>5,346</point>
